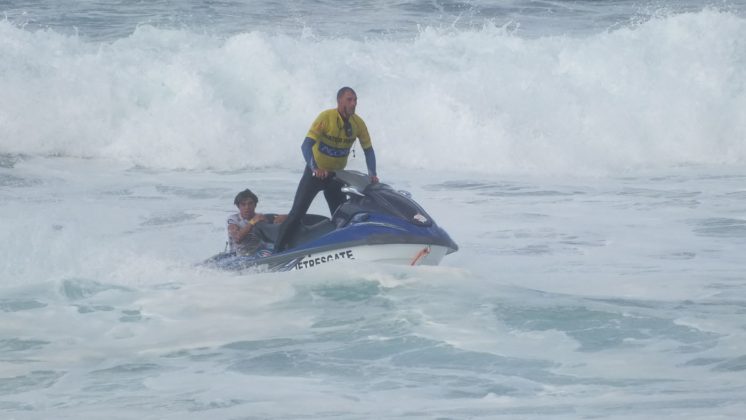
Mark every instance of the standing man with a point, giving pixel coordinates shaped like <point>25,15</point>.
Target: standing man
<point>325,150</point>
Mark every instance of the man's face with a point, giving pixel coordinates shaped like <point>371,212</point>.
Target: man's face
<point>347,103</point>
<point>246,208</point>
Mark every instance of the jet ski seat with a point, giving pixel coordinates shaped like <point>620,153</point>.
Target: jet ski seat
<point>312,226</point>
<point>268,231</point>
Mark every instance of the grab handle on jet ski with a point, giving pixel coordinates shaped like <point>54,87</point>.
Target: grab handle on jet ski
<point>352,191</point>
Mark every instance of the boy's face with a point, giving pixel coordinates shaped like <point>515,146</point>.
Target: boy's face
<point>246,208</point>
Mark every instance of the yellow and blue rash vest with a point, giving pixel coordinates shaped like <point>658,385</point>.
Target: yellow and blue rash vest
<point>332,144</point>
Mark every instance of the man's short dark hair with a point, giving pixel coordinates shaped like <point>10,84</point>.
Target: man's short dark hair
<point>244,195</point>
<point>344,90</point>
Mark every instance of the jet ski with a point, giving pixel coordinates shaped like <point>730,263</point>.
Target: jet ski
<point>375,224</point>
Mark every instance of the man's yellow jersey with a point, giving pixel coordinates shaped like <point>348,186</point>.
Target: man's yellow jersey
<point>334,139</point>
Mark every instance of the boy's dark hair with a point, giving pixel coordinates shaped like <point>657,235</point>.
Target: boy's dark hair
<point>246,194</point>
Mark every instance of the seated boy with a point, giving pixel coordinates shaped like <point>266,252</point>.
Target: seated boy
<point>241,236</point>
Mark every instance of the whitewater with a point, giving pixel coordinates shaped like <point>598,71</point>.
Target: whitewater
<point>589,158</point>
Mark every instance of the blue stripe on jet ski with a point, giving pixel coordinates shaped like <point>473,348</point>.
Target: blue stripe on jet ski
<point>396,230</point>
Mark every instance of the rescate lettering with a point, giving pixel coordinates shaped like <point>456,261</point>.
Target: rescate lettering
<point>312,262</point>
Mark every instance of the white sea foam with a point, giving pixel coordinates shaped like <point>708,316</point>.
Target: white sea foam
<point>665,92</point>
<point>562,290</point>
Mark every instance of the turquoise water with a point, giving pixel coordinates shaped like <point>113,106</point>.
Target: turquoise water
<point>618,297</point>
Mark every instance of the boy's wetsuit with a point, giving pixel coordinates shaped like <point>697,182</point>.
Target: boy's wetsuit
<point>252,244</point>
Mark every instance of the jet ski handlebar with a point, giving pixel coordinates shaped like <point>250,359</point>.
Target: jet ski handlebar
<point>354,179</point>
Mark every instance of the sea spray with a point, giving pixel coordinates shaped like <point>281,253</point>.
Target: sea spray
<point>660,93</point>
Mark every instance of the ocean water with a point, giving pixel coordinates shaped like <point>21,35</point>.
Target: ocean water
<point>588,157</point>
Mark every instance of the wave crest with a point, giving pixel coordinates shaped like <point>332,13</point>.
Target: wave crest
<point>668,91</point>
